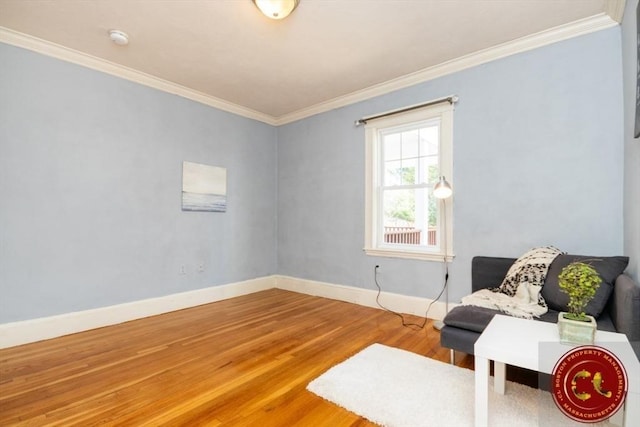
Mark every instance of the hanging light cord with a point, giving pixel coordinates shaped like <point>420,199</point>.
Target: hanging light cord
<point>416,326</point>
<point>405,323</point>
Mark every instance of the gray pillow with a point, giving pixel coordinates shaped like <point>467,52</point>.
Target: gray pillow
<point>609,268</point>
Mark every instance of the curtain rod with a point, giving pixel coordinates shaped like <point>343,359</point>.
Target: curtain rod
<point>452,99</point>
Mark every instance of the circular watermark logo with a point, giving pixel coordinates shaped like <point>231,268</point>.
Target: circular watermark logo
<point>589,384</point>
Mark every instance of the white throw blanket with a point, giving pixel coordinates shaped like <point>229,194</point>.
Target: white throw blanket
<point>523,304</point>
<point>520,292</point>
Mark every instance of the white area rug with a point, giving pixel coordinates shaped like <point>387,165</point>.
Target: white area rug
<point>397,388</point>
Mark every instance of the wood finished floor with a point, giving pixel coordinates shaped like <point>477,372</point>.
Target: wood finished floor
<point>240,362</point>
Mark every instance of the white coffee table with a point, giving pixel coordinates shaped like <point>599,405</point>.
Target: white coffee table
<point>511,341</point>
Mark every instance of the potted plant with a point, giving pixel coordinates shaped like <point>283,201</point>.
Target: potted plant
<point>580,281</point>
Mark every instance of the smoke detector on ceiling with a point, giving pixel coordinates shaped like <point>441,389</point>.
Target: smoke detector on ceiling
<point>119,37</point>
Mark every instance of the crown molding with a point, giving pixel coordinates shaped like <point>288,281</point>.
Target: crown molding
<point>76,57</point>
<point>615,9</point>
<point>543,38</point>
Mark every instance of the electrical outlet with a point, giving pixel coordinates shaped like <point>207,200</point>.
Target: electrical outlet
<point>200,268</point>
<point>183,269</point>
<point>378,268</point>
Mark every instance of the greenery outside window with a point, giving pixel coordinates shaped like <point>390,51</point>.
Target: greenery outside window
<point>406,153</point>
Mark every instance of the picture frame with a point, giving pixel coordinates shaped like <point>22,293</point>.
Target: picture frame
<point>204,188</point>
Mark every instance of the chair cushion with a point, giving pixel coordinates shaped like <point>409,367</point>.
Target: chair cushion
<point>470,317</point>
<point>609,268</point>
<point>476,319</point>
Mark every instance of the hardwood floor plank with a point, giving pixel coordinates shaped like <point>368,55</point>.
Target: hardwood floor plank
<point>242,361</point>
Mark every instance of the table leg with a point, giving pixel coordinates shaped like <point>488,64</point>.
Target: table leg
<point>482,391</point>
<point>631,409</point>
<point>499,377</point>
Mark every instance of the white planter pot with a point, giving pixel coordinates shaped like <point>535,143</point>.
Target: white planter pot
<point>575,331</point>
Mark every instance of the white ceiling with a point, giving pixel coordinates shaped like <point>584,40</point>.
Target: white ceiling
<point>225,53</point>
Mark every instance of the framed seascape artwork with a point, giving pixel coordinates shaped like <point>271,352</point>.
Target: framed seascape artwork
<point>204,188</point>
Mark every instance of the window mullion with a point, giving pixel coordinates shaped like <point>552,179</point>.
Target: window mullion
<point>405,187</point>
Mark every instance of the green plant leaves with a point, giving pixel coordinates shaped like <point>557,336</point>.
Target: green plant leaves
<point>579,280</point>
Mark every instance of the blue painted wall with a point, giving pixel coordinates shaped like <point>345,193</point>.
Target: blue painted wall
<point>90,189</point>
<point>538,155</point>
<point>631,144</point>
<point>90,180</point>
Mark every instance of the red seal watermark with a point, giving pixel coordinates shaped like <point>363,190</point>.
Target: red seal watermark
<point>589,384</point>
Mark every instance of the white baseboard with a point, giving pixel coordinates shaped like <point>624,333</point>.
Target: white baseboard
<point>366,297</point>
<point>32,330</point>
<point>27,331</point>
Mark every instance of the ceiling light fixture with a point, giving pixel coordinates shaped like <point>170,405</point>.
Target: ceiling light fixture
<point>276,9</point>
<point>119,37</point>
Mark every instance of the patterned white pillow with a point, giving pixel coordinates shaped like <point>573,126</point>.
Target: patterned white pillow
<point>531,268</point>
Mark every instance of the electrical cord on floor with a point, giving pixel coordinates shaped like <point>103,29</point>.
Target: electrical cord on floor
<point>404,322</point>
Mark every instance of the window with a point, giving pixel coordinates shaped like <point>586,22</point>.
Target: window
<point>406,154</point>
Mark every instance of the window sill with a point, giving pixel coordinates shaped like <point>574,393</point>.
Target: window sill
<point>396,253</point>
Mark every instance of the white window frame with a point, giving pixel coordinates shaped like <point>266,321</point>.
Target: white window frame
<point>373,179</point>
